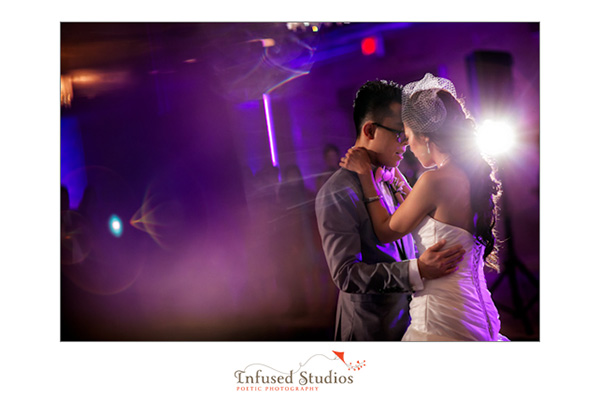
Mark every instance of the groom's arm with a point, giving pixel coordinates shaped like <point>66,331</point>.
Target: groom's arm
<point>339,226</point>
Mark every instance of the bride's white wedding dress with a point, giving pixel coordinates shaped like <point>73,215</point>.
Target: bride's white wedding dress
<point>458,306</point>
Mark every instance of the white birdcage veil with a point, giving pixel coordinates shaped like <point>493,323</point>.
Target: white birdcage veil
<point>422,110</point>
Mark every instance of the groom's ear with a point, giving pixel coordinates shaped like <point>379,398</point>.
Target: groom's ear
<point>369,130</point>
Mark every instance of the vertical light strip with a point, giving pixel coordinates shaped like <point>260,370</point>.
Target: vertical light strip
<point>270,130</point>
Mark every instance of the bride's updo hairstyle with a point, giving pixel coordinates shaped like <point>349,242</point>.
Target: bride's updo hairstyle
<point>431,109</point>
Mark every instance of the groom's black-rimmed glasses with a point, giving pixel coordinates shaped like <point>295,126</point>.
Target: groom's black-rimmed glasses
<point>400,135</point>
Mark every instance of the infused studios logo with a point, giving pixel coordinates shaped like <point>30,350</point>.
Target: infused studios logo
<point>322,371</point>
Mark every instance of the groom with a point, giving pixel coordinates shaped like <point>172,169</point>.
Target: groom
<point>375,279</point>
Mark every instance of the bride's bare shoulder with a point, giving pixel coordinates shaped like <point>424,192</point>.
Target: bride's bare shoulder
<point>430,177</point>
<point>452,180</point>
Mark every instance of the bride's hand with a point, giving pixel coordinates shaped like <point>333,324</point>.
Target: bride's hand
<point>357,160</point>
<point>400,181</point>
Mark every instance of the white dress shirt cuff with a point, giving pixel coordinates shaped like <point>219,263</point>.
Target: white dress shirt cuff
<point>414,276</point>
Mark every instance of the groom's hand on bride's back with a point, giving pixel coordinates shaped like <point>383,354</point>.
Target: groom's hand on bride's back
<point>435,262</point>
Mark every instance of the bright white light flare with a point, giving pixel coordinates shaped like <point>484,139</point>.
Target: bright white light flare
<point>495,137</point>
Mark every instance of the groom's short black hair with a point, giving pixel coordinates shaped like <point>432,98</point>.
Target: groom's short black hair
<point>373,101</point>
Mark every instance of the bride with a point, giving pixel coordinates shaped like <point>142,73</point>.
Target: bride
<point>456,201</point>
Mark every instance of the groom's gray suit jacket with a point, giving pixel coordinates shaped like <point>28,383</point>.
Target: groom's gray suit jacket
<point>373,283</point>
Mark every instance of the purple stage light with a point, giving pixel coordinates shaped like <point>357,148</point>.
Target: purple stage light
<point>270,129</point>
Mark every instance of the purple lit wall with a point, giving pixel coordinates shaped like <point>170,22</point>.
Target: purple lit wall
<point>169,130</point>
<point>72,161</point>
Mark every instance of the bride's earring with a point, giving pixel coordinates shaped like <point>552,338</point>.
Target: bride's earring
<point>428,151</point>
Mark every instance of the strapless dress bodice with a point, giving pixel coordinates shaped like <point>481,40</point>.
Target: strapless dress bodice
<point>457,306</point>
